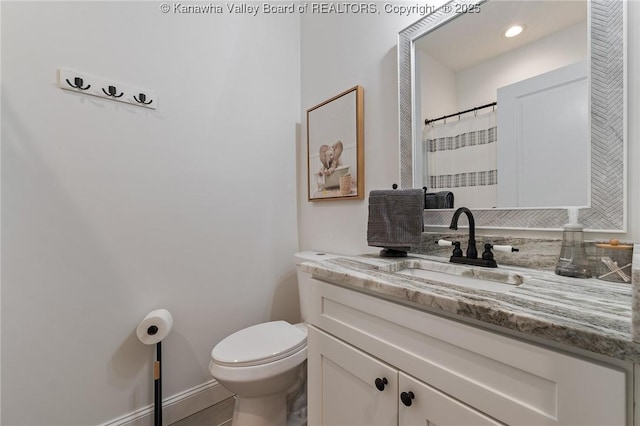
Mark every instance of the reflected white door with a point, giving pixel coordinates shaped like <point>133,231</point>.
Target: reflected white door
<point>544,140</point>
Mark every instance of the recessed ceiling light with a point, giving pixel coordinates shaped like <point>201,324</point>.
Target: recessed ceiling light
<point>514,30</point>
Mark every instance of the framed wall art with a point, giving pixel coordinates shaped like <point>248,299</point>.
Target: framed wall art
<point>335,147</point>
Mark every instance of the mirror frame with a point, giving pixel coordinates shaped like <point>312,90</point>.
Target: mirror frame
<point>608,187</point>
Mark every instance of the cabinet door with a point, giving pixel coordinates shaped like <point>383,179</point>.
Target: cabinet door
<point>342,385</point>
<point>431,407</point>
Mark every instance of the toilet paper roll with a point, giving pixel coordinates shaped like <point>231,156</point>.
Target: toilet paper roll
<point>155,327</point>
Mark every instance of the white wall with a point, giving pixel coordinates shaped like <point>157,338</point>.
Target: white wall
<point>338,52</point>
<point>438,84</point>
<point>369,48</point>
<point>477,85</point>
<point>110,211</point>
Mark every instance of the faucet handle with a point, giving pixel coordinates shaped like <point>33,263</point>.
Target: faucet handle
<point>508,249</point>
<point>446,243</point>
<point>457,251</point>
<point>487,254</point>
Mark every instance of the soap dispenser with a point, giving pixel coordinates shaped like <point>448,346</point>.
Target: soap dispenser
<point>573,260</point>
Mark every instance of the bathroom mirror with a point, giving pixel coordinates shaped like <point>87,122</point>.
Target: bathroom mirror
<point>599,58</point>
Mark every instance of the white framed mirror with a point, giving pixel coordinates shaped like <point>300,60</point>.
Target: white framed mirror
<point>596,50</point>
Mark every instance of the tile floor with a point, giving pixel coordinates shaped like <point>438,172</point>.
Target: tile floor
<point>216,415</point>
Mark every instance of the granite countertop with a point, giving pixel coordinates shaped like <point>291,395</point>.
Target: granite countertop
<point>589,314</point>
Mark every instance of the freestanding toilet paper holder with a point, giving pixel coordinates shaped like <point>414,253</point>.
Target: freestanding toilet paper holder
<point>153,329</point>
<point>157,379</point>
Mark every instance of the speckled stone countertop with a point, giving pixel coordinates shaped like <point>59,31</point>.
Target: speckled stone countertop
<point>589,314</point>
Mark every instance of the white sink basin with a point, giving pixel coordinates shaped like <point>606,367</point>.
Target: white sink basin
<point>492,279</point>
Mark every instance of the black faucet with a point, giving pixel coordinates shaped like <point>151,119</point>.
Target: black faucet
<point>472,252</point>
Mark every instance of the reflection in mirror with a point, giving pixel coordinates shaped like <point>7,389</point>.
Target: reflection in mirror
<point>534,156</point>
<point>532,149</point>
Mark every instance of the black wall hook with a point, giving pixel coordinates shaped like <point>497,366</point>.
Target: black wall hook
<point>142,99</point>
<point>77,83</point>
<point>112,92</point>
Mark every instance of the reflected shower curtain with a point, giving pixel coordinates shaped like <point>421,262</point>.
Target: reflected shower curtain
<point>461,156</point>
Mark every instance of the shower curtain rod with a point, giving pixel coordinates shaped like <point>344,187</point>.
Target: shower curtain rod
<point>459,113</point>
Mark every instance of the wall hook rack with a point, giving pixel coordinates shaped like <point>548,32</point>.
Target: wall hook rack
<point>106,88</point>
<point>112,92</point>
<point>78,82</point>
<point>141,99</point>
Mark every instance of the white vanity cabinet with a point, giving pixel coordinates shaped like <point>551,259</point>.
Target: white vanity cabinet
<point>458,374</point>
<point>357,389</point>
<point>345,380</point>
<point>429,406</point>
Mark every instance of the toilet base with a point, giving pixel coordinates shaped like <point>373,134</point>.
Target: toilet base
<point>270,410</point>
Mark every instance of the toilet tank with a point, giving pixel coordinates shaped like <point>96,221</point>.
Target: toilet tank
<point>304,277</point>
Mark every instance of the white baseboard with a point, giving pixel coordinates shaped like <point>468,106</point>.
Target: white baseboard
<point>177,407</point>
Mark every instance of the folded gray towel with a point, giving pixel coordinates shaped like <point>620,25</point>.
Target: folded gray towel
<point>395,218</point>
<point>438,200</point>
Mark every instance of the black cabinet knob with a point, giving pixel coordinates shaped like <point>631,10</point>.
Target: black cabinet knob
<point>407,398</point>
<point>380,383</point>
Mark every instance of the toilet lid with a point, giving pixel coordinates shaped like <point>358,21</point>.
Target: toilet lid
<point>259,344</point>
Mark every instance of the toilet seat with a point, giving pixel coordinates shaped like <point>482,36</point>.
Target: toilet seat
<point>259,344</point>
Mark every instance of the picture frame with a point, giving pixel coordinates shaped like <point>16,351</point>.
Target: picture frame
<point>335,147</point>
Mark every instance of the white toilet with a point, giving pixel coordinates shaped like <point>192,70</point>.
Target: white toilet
<point>264,365</point>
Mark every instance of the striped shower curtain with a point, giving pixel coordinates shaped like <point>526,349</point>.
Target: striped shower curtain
<point>461,157</point>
